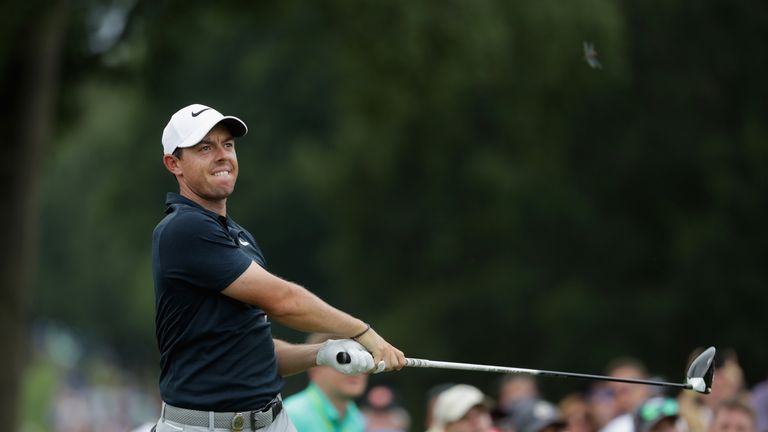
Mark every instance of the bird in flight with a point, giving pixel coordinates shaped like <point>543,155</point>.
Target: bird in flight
<point>590,55</point>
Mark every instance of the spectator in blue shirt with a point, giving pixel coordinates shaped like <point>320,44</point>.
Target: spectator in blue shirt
<point>328,402</point>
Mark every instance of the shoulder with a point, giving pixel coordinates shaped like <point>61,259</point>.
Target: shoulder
<point>355,415</point>
<point>185,216</point>
<point>300,409</point>
<point>183,222</point>
<point>298,401</point>
<point>622,423</point>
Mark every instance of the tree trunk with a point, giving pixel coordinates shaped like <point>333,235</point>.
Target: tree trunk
<point>28,90</point>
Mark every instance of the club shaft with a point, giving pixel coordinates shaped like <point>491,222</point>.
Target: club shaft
<point>421,363</point>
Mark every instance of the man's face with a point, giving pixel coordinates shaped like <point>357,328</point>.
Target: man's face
<point>337,385</point>
<point>209,169</point>
<point>477,419</point>
<point>731,420</point>
<point>628,396</point>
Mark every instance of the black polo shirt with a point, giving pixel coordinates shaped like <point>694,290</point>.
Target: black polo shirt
<point>216,353</point>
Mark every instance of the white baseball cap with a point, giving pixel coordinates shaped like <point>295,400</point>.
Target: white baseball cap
<point>190,124</point>
<point>454,403</point>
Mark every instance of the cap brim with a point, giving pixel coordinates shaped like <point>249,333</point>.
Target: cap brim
<point>235,126</point>
<point>462,411</point>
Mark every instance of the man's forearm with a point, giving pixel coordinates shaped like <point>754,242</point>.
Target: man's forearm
<point>290,304</point>
<point>293,359</point>
<point>297,308</point>
<point>305,311</point>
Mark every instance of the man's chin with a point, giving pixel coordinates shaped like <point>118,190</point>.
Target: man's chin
<point>216,196</point>
<point>353,393</point>
<point>223,193</point>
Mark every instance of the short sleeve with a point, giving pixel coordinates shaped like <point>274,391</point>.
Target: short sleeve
<point>197,250</point>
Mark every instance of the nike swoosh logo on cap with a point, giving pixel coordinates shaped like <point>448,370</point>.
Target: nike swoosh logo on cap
<point>195,114</point>
<point>243,242</point>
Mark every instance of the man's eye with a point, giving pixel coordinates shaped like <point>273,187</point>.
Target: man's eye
<point>229,144</point>
<point>205,148</point>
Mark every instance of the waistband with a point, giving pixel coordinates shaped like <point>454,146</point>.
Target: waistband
<point>235,421</point>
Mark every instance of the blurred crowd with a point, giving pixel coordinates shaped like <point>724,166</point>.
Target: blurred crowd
<point>514,403</point>
<point>517,405</point>
<point>65,390</point>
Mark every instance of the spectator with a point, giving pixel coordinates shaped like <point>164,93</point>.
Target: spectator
<point>536,415</point>
<point>512,388</point>
<point>628,396</point>
<point>516,387</point>
<point>733,416</point>
<point>577,413</point>
<point>657,414</point>
<point>602,404</point>
<point>461,408</point>
<point>432,396</point>
<point>727,384</point>
<point>327,404</point>
<point>382,413</point>
<point>759,398</point>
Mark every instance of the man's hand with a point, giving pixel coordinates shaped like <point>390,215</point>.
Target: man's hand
<point>360,360</point>
<point>392,358</point>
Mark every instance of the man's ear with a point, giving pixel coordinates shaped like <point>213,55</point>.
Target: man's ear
<point>171,163</point>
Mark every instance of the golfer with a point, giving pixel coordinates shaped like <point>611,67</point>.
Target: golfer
<point>214,299</point>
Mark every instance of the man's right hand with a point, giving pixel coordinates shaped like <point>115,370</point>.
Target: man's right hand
<point>359,359</point>
<point>382,351</point>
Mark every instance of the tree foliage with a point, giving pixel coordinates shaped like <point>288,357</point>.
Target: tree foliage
<point>453,172</point>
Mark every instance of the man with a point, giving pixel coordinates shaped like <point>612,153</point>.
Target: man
<point>535,415</point>
<point>577,413</point>
<point>461,408</point>
<point>759,401</point>
<point>628,397</point>
<point>657,414</point>
<point>733,416</point>
<point>514,388</point>
<point>727,384</point>
<point>327,404</point>
<point>383,413</point>
<point>220,367</point>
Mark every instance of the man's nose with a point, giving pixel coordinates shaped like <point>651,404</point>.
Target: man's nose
<point>221,153</point>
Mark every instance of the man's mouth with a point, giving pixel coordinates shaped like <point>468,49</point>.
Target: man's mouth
<point>221,173</point>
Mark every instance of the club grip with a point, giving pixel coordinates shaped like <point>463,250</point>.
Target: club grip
<point>412,362</point>
<point>343,357</point>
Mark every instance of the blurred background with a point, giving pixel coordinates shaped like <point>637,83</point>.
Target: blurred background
<point>468,176</point>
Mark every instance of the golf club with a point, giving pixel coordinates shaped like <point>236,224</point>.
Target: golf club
<point>698,378</point>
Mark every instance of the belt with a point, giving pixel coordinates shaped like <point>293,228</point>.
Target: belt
<point>236,421</point>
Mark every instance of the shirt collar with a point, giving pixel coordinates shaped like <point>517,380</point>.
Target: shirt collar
<point>328,408</point>
<point>173,199</point>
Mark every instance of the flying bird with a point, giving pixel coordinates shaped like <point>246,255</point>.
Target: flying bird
<point>590,55</point>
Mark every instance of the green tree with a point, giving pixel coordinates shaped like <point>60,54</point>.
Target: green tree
<point>30,50</point>
<point>454,172</point>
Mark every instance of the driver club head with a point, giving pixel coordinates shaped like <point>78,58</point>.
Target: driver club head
<point>701,371</point>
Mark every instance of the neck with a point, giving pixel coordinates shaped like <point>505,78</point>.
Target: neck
<point>218,206</point>
<point>338,401</point>
<point>340,405</point>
